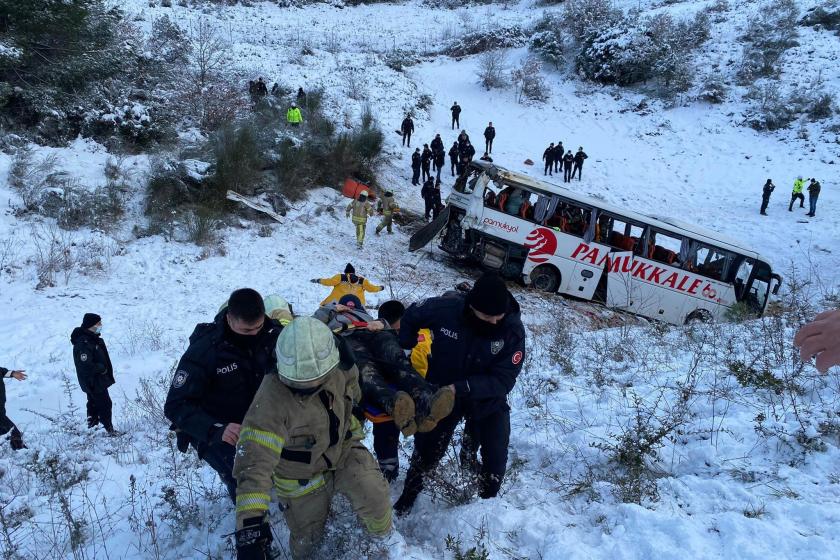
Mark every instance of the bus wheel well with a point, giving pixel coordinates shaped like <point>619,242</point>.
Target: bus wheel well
<point>699,316</point>
<point>545,278</point>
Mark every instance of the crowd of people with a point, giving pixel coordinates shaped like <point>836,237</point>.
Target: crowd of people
<point>796,194</point>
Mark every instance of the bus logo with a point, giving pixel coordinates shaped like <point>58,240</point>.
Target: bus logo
<point>543,244</point>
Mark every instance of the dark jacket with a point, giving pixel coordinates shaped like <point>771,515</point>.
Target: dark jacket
<point>579,157</point>
<point>437,145</point>
<point>568,159</point>
<point>558,152</point>
<point>93,364</point>
<point>453,153</point>
<point>482,368</point>
<point>216,380</point>
<point>549,155</point>
<point>768,189</point>
<point>415,160</point>
<point>456,110</point>
<point>467,150</point>
<point>440,158</point>
<point>426,157</point>
<point>3,373</point>
<point>407,126</point>
<point>814,188</point>
<point>490,132</point>
<point>463,138</point>
<point>426,190</point>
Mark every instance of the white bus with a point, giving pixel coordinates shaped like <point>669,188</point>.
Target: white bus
<point>555,240</point>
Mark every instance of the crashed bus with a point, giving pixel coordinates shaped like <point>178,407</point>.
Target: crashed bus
<point>555,240</point>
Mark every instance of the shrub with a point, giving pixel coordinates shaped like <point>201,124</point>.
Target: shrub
<point>529,81</point>
<point>771,31</point>
<point>491,68</point>
<point>237,150</point>
<point>488,40</point>
<point>587,17</point>
<point>770,110</point>
<point>827,16</point>
<point>399,59</point>
<point>201,226</point>
<point>714,90</point>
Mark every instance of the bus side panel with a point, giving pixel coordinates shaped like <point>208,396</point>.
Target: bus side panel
<point>619,286</point>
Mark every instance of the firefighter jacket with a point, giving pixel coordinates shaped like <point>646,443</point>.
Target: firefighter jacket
<point>290,439</point>
<point>359,211</point>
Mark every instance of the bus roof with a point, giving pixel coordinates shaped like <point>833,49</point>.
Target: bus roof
<point>660,222</point>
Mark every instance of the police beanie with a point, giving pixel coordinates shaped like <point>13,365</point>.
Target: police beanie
<point>90,319</point>
<point>349,269</point>
<point>489,295</point>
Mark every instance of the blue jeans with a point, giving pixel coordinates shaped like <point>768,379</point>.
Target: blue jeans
<point>812,201</point>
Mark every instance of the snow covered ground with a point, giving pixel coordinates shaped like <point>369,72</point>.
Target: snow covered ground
<point>726,488</point>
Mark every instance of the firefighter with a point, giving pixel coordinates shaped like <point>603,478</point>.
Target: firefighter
<point>277,308</point>
<point>347,283</point>
<point>387,207</point>
<point>301,438</point>
<point>477,352</point>
<point>798,185</point>
<point>359,210</point>
<point>6,425</point>
<point>293,115</point>
<point>217,378</point>
<point>94,371</point>
<point>768,189</point>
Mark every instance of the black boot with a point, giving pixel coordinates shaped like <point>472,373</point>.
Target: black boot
<point>16,440</point>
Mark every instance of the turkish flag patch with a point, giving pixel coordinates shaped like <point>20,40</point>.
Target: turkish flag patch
<point>517,357</point>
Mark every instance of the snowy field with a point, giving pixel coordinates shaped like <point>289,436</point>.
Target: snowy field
<point>748,472</point>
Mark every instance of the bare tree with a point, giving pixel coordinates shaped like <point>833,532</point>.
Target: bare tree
<point>491,69</point>
<point>209,51</point>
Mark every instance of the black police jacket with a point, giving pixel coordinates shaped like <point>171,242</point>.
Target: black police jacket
<point>482,368</point>
<point>93,364</point>
<point>216,380</point>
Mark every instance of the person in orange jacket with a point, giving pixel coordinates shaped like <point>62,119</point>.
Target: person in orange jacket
<point>347,283</point>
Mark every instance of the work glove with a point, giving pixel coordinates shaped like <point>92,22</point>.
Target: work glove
<point>253,541</point>
<point>316,280</point>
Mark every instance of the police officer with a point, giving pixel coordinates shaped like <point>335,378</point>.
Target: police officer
<point>768,189</point>
<point>478,345</point>
<point>94,370</point>
<point>6,425</point>
<point>217,379</point>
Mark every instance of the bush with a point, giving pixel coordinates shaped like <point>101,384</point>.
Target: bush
<point>826,16</point>
<point>547,39</point>
<point>773,110</point>
<point>770,33</point>
<point>714,90</point>
<point>488,40</point>
<point>491,69</point>
<point>587,17</point>
<point>400,59</point>
<point>529,81</point>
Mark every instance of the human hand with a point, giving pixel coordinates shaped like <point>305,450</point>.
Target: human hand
<point>231,433</point>
<point>821,338</point>
<point>18,374</point>
<point>316,280</point>
<point>341,308</point>
<point>376,326</point>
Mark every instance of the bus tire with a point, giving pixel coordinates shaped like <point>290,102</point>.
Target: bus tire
<point>698,316</point>
<point>545,278</point>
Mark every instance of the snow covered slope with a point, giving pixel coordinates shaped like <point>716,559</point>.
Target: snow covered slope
<point>734,481</point>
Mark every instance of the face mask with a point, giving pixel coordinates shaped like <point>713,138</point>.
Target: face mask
<point>480,327</point>
<point>97,330</point>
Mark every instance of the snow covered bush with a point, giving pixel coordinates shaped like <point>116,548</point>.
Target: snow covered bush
<point>585,17</point>
<point>547,39</point>
<point>491,70</point>
<point>713,89</point>
<point>529,82</point>
<point>491,39</point>
<point>772,109</point>
<point>770,32</point>
<point>826,16</point>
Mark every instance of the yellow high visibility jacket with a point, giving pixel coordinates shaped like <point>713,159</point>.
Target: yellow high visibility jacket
<point>798,185</point>
<point>420,353</point>
<point>344,284</point>
<point>293,115</point>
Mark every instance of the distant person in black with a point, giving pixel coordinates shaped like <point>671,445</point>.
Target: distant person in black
<point>217,378</point>
<point>437,144</point>
<point>548,158</point>
<point>301,97</point>
<point>463,138</point>
<point>415,166</point>
<point>6,425</point>
<point>467,151</point>
<point>437,203</point>
<point>261,88</point>
<point>558,156</point>
<point>407,129</point>
<point>579,157</point>
<point>94,371</point>
<point>427,192</point>
<point>440,161</point>
<point>426,161</point>
<point>453,157</point>
<point>489,134</point>
<point>456,115</point>
<point>568,160</point>
<point>765,196</point>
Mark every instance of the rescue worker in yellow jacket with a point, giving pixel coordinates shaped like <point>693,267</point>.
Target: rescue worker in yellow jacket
<point>798,185</point>
<point>293,115</point>
<point>359,210</point>
<point>348,283</point>
<point>387,207</point>
<point>301,438</point>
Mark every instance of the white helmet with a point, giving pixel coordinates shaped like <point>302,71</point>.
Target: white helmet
<point>278,309</point>
<point>306,353</point>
